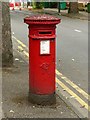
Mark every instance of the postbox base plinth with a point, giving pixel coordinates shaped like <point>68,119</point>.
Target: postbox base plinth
<point>42,99</point>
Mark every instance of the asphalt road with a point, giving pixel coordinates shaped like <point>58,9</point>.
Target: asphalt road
<point>72,46</point>
<point>72,50</point>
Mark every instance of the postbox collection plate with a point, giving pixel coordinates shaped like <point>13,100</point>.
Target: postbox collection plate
<point>44,47</point>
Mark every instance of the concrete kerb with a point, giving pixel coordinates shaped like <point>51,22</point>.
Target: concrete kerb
<point>70,105</point>
<point>77,16</point>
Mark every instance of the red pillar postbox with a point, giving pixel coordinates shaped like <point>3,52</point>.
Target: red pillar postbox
<point>42,58</point>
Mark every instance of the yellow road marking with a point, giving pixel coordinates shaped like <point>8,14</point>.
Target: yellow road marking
<point>23,45</point>
<point>21,49</point>
<point>73,94</point>
<point>62,85</point>
<point>73,85</point>
<point>26,53</point>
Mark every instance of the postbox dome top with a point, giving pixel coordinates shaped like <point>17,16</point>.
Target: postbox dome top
<point>42,19</point>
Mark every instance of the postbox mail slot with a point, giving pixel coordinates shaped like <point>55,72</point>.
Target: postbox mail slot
<point>45,33</point>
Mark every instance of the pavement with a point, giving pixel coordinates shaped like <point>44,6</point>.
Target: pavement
<point>15,103</point>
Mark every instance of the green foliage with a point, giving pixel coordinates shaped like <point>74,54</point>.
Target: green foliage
<point>38,5</point>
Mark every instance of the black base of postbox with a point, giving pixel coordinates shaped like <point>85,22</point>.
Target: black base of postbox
<point>42,99</point>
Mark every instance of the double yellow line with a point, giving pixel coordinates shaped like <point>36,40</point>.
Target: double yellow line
<point>73,85</point>
<point>82,92</point>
